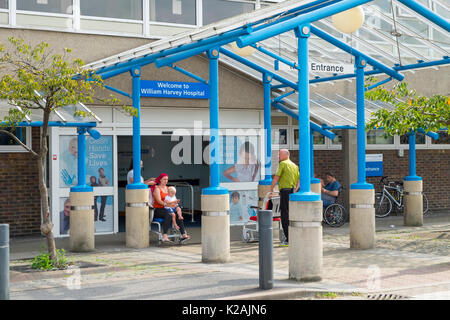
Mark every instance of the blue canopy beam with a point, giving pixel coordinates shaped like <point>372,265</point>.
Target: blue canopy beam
<point>427,13</point>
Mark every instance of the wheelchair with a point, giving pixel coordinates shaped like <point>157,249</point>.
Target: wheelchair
<point>250,228</point>
<point>173,234</point>
<point>335,214</point>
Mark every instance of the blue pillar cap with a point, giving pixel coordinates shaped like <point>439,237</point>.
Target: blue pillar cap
<point>361,186</point>
<point>265,182</point>
<point>315,180</point>
<point>82,188</point>
<point>136,186</point>
<point>214,191</point>
<point>304,196</point>
<point>412,178</point>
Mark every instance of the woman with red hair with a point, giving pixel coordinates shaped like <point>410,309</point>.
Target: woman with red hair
<point>160,191</point>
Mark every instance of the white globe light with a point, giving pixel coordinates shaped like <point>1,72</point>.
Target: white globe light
<point>349,21</point>
<point>243,52</point>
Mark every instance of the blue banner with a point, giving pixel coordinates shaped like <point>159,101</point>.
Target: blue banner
<point>374,165</point>
<point>173,89</point>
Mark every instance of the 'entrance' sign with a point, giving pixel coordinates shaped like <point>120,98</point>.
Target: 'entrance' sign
<point>174,89</point>
<point>337,68</point>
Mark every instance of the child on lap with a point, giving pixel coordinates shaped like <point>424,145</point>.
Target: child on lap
<point>171,205</point>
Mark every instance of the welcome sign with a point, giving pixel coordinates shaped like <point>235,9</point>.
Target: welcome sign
<point>374,165</point>
<point>174,89</point>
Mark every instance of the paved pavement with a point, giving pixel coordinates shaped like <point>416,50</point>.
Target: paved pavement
<point>407,263</point>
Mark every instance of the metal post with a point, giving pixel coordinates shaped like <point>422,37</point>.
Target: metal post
<point>215,148</point>
<point>304,126</point>
<point>137,184</point>
<point>81,157</point>
<point>412,154</point>
<point>267,128</point>
<point>265,226</point>
<point>4,261</point>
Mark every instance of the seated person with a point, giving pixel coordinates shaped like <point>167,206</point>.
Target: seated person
<point>171,205</point>
<point>330,191</point>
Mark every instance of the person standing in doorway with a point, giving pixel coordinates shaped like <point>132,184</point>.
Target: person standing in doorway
<point>103,182</point>
<point>287,177</point>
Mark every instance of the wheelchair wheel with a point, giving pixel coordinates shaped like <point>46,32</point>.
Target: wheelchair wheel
<point>335,215</point>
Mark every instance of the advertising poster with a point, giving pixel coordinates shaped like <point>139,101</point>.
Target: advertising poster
<point>240,162</point>
<point>240,203</point>
<point>99,161</point>
<point>103,214</point>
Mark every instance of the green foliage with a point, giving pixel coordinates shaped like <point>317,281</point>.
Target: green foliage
<point>35,79</point>
<point>411,111</point>
<point>43,261</point>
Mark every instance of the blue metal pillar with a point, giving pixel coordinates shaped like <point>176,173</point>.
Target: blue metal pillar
<point>412,158</point>
<point>304,127</point>
<point>360,64</point>
<point>81,185</point>
<point>215,148</point>
<point>313,179</point>
<point>136,96</point>
<point>267,79</point>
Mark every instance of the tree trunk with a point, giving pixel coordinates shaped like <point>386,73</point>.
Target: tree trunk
<point>46,225</point>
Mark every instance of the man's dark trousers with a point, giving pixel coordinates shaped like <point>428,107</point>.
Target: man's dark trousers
<point>284,210</point>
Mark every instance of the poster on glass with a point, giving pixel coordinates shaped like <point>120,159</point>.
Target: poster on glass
<point>103,214</point>
<point>241,202</point>
<point>99,161</point>
<point>240,162</point>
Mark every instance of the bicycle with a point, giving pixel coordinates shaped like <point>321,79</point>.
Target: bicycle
<point>335,214</point>
<point>392,192</point>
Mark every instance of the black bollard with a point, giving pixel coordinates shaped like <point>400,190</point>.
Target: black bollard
<point>4,261</point>
<point>265,226</point>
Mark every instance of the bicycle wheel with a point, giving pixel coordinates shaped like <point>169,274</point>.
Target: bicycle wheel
<point>426,210</point>
<point>383,205</point>
<point>335,215</point>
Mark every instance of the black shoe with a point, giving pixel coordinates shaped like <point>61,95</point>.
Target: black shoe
<point>183,240</point>
<point>102,219</point>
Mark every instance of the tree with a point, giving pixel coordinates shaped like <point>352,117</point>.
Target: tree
<point>35,80</point>
<point>411,111</point>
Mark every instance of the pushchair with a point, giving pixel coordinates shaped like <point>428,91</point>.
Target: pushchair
<point>250,228</point>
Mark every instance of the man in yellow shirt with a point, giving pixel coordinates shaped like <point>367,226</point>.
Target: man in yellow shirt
<point>287,177</point>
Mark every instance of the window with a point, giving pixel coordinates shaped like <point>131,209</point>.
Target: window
<point>420,138</point>
<point>215,10</point>
<point>51,6</point>
<point>338,139</point>
<point>279,136</point>
<point>378,137</point>
<point>444,138</point>
<point>3,4</point>
<point>7,140</point>
<point>317,138</point>
<point>131,9</point>
<point>8,144</point>
<point>173,11</point>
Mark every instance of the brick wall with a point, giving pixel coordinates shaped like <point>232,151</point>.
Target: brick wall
<point>19,191</point>
<point>432,165</point>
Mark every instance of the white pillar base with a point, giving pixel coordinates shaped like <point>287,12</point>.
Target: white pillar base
<point>215,228</point>
<point>362,218</point>
<point>82,231</point>
<point>137,223</point>
<point>305,241</point>
<point>413,197</point>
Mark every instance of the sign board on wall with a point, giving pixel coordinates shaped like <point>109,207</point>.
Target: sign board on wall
<point>174,89</point>
<point>374,165</point>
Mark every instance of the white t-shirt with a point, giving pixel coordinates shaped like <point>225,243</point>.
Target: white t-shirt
<point>169,199</point>
<point>130,176</point>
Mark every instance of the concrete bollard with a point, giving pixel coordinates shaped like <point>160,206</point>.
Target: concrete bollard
<point>305,240</point>
<point>82,231</point>
<point>215,229</point>
<point>4,261</point>
<point>413,197</point>
<point>362,218</point>
<point>316,188</point>
<point>137,220</point>
<point>265,249</point>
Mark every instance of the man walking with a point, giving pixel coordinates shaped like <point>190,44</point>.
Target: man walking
<point>287,177</point>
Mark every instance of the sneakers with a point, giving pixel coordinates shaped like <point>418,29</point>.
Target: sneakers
<point>284,244</point>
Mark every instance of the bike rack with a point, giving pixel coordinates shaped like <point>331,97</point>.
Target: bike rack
<point>191,188</point>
